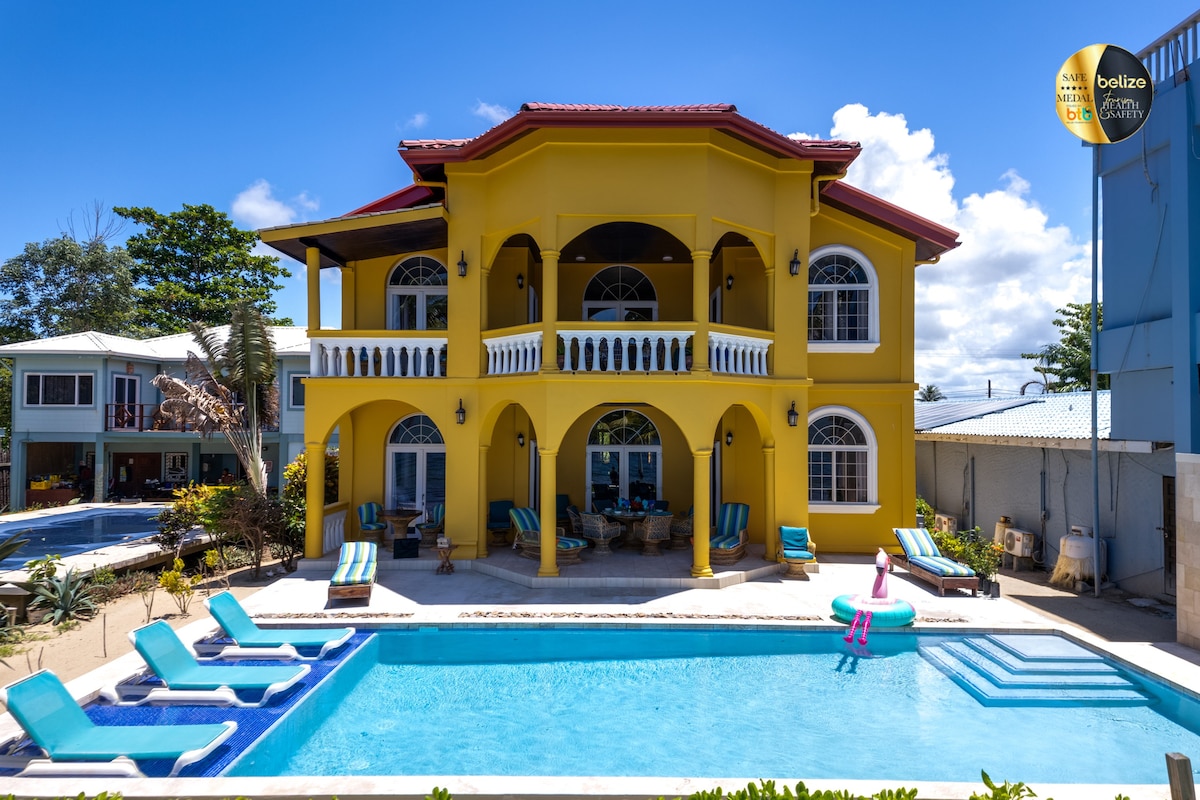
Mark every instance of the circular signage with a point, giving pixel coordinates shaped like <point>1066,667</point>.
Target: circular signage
<point>1103,94</point>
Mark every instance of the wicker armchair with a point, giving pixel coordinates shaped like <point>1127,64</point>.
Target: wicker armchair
<point>681,531</point>
<point>576,522</point>
<point>528,526</point>
<point>655,528</point>
<point>600,530</point>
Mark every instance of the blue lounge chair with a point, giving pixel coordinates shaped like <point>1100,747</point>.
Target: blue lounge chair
<point>371,521</point>
<point>56,723</point>
<point>727,543</point>
<point>797,550</point>
<point>186,680</point>
<point>355,572</point>
<point>238,626</point>
<point>528,526</point>
<point>923,560</point>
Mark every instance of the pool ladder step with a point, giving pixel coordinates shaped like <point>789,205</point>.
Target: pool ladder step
<point>1029,670</point>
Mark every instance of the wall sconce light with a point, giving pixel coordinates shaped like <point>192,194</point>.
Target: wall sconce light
<point>462,264</point>
<point>729,283</point>
<point>521,439</point>
<point>729,438</point>
<point>520,281</point>
<point>794,264</point>
<point>461,414</point>
<point>793,416</point>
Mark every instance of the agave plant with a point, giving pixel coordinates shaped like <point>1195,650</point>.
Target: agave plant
<point>10,545</point>
<point>68,597</point>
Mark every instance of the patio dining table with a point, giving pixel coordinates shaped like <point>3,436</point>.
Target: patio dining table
<point>627,519</point>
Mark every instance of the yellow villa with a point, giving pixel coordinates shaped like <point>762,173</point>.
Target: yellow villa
<point>604,304</point>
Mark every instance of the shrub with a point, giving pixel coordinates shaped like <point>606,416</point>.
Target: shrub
<point>68,597</point>
<point>180,587</point>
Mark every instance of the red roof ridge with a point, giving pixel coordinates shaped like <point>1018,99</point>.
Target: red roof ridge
<point>720,107</point>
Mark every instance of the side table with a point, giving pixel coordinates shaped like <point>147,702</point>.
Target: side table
<point>445,565</point>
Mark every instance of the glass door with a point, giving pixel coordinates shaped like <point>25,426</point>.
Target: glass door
<point>417,478</point>
<point>604,478</point>
<point>125,397</point>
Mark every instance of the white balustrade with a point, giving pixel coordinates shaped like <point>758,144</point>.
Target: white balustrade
<point>378,358</point>
<point>333,533</point>
<point>625,351</point>
<point>737,355</point>
<point>509,355</point>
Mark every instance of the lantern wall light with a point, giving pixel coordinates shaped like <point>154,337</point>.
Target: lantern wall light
<point>729,439</point>
<point>521,439</point>
<point>729,282</point>
<point>793,416</point>
<point>794,264</point>
<point>520,280</point>
<point>461,414</point>
<point>462,264</point>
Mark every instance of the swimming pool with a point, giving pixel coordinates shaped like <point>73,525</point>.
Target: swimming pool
<point>718,702</point>
<point>77,532</point>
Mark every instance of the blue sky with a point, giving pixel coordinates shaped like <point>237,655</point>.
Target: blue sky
<point>283,112</point>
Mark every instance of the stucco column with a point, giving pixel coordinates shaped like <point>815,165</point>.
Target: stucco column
<point>312,263</point>
<point>700,264</point>
<point>349,309</point>
<point>549,515</point>
<point>481,505</point>
<point>550,313</point>
<point>314,500</point>
<point>771,532</point>
<point>701,524</point>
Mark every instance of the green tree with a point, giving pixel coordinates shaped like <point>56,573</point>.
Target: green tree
<point>194,265</point>
<point>930,394</point>
<point>234,393</point>
<point>66,286</point>
<point>1066,366</point>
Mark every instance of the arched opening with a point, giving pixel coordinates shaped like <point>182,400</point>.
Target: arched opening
<point>620,293</point>
<point>416,464</point>
<point>624,459</point>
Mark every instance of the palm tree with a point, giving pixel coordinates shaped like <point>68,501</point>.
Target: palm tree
<point>930,393</point>
<point>234,392</point>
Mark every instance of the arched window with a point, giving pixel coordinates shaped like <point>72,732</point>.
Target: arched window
<point>624,459</point>
<point>416,465</point>
<point>417,295</point>
<point>841,458</point>
<point>620,294</point>
<point>842,304</point>
<point>417,429</point>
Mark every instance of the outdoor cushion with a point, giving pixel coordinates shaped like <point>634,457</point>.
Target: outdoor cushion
<point>916,542</point>
<point>794,542</point>
<point>940,565</point>
<point>356,564</point>
<point>368,517</point>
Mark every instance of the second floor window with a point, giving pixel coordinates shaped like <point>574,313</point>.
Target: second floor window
<point>416,296</point>
<point>48,389</point>
<point>297,391</point>
<point>620,294</point>
<point>840,298</point>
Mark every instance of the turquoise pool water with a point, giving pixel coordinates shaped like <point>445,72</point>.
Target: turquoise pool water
<point>77,532</point>
<point>721,703</point>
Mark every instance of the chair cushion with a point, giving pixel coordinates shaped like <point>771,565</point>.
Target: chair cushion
<point>940,565</point>
<point>356,564</point>
<point>800,555</point>
<point>566,543</point>
<point>724,542</point>
<point>916,542</point>
<point>794,538</point>
<point>373,526</point>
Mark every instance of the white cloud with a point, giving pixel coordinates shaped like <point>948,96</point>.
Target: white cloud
<point>494,114</point>
<point>256,207</point>
<point>417,121</point>
<point>992,298</point>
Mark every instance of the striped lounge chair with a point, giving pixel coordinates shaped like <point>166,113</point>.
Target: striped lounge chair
<point>727,542</point>
<point>355,571</point>
<point>528,541</point>
<point>798,551</point>
<point>923,560</point>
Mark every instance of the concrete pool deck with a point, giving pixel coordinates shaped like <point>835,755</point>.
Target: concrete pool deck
<point>629,589</point>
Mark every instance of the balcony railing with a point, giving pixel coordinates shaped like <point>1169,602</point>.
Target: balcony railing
<point>625,351</point>
<point>136,417</point>
<point>731,354</point>
<point>379,358</point>
<point>510,355</point>
<point>1169,56</point>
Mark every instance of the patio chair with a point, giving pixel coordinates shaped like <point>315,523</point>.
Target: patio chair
<point>251,640</point>
<point>498,523</point>
<point>561,503</point>
<point>601,530</point>
<point>727,542</point>
<point>923,560</point>
<point>186,680</point>
<point>528,541</point>
<point>653,530</point>
<point>798,551</point>
<point>576,522</point>
<point>355,572</point>
<point>434,525</point>
<point>681,530</point>
<point>56,723</point>
<point>371,521</point>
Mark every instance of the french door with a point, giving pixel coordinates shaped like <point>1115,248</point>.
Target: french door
<point>416,477</point>
<point>125,398</point>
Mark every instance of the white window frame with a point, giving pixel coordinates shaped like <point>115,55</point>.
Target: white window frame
<point>872,503</point>
<point>42,389</point>
<point>293,378</point>
<point>619,306</point>
<point>872,288</point>
<point>419,291</point>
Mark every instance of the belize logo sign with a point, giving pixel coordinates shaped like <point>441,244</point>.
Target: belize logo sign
<point>1103,94</point>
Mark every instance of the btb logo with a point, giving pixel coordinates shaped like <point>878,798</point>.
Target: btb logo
<point>1084,114</point>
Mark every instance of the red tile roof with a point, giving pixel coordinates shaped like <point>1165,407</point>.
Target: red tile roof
<point>603,107</point>
<point>407,197</point>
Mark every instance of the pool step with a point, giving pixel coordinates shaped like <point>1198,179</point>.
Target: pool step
<point>1032,670</point>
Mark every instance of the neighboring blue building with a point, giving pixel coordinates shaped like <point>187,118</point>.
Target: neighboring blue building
<point>1150,344</point>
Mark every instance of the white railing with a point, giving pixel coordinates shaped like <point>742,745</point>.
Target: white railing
<point>378,358</point>
<point>509,355</point>
<point>737,355</point>
<point>625,351</point>
<point>333,532</point>
<point>1174,51</point>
